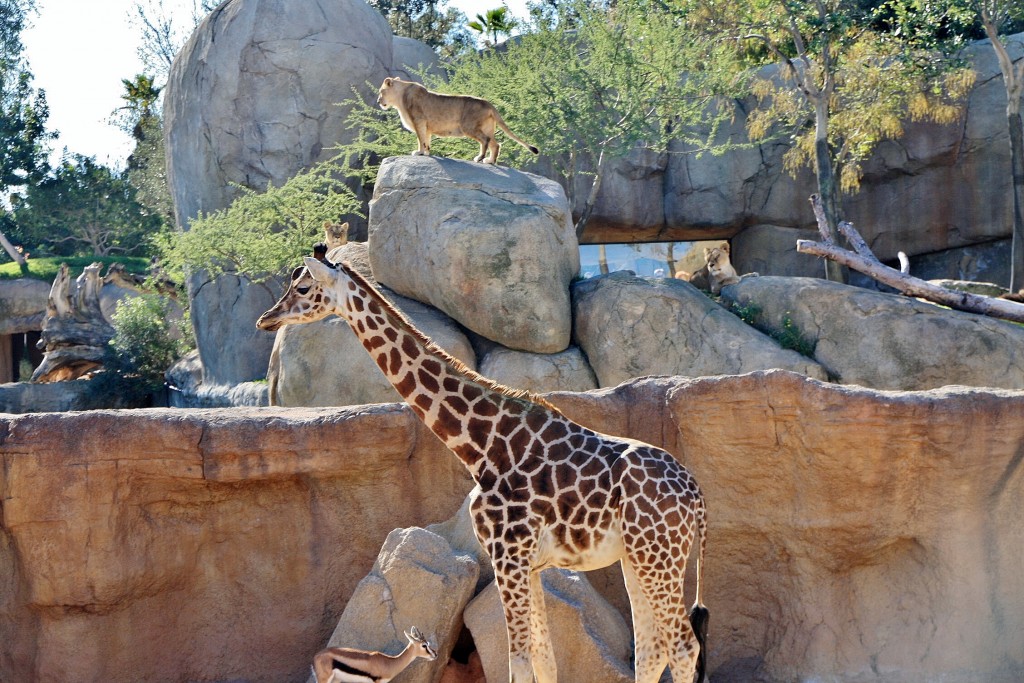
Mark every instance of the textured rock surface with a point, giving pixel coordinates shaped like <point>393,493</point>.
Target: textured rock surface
<point>855,535</point>
<point>887,341</point>
<point>937,187</point>
<point>565,371</point>
<point>22,305</point>
<point>631,327</point>
<point>200,544</point>
<point>590,638</point>
<point>492,247</point>
<point>323,363</point>
<point>252,99</point>
<point>418,581</point>
<point>411,57</point>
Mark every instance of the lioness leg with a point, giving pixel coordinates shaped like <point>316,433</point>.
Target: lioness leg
<point>423,138</point>
<point>483,148</point>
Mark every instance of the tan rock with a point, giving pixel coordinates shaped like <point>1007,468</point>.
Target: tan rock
<point>855,534</point>
<point>539,372</point>
<point>886,341</point>
<point>631,327</point>
<point>492,247</point>
<point>590,638</point>
<point>418,581</point>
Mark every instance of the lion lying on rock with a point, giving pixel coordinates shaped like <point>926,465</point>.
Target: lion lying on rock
<point>717,272</point>
<point>428,113</point>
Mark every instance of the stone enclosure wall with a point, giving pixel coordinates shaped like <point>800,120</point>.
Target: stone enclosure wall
<point>855,535</point>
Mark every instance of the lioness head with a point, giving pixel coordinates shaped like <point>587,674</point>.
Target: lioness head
<point>390,91</point>
<point>717,259</point>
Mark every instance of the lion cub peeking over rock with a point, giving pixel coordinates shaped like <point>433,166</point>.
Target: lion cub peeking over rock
<point>428,113</point>
<point>717,272</point>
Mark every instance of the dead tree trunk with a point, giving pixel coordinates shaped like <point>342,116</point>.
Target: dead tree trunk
<point>863,260</point>
<point>75,332</point>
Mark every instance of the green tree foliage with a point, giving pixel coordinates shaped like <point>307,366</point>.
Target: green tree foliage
<point>262,234</point>
<point>23,110</point>
<point>850,73</point>
<point>81,209</point>
<point>147,167</point>
<point>146,342</point>
<point>584,84</point>
<point>494,24</point>
<point>434,23</point>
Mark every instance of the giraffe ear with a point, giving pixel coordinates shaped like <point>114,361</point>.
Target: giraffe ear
<point>319,271</point>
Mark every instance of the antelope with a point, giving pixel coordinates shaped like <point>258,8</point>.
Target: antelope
<point>348,665</point>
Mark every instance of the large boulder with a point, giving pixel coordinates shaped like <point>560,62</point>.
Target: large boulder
<point>251,100</point>
<point>630,327</point>
<point>886,341</point>
<point>591,640</point>
<point>324,364</point>
<point>492,247</point>
<point>565,371</point>
<point>418,581</point>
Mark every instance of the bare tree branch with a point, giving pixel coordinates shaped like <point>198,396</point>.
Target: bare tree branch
<point>866,262</point>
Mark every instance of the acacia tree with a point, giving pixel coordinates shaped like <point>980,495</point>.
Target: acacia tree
<point>846,80</point>
<point>261,234</point>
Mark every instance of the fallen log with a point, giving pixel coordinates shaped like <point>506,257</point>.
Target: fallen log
<point>863,260</point>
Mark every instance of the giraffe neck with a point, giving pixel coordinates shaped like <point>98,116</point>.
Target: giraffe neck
<point>476,418</point>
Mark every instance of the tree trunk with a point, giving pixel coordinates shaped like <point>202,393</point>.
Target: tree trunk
<point>15,255</point>
<point>588,207</point>
<point>827,189</point>
<point>1017,171</point>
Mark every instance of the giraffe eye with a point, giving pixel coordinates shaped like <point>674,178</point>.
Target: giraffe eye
<point>303,290</point>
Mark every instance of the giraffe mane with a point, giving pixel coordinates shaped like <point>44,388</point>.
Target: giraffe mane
<point>432,347</point>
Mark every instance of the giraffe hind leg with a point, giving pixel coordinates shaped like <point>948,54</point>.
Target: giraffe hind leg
<point>651,654</point>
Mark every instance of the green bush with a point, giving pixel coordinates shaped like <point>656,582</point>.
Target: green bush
<point>46,268</point>
<point>145,344</point>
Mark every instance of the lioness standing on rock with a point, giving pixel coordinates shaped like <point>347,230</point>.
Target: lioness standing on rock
<point>428,113</point>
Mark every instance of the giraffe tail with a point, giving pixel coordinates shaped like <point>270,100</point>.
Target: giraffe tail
<point>699,615</point>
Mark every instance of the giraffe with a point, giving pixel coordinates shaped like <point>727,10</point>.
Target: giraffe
<point>549,491</point>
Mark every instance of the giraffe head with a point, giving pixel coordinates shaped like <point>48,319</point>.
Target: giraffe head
<point>309,297</point>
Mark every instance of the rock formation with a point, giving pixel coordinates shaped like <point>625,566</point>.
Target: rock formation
<point>492,247</point>
<point>854,535</point>
<point>886,341</point>
<point>323,363</point>
<point>630,327</point>
<point>251,100</point>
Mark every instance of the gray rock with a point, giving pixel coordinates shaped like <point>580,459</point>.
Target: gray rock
<point>411,57</point>
<point>418,581</point>
<point>565,371</point>
<point>631,327</point>
<point>771,250</point>
<point>22,305</point>
<point>324,364</point>
<point>251,100</point>
<point>591,640</point>
<point>494,248</point>
<point>887,341</point>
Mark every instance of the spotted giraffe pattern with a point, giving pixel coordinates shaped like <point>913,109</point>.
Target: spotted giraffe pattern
<point>550,492</point>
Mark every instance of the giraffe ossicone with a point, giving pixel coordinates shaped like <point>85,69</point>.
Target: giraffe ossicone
<point>551,492</point>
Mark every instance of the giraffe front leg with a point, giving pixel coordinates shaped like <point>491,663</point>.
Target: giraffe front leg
<point>513,581</point>
<point>543,655</point>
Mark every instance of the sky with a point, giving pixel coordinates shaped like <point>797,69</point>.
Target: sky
<point>78,52</point>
